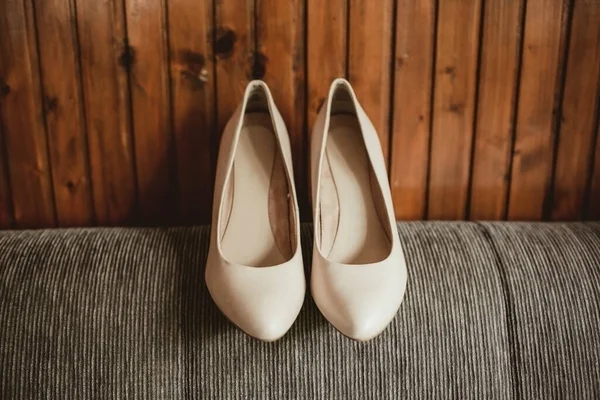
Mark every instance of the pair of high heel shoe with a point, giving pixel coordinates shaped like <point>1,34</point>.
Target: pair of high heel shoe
<point>254,270</point>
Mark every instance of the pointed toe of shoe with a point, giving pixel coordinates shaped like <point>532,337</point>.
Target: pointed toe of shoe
<point>267,324</point>
<point>362,322</point>
<point>262,302</point>
<point>365,321</point>
<point>359,301</point>
<point>267,316</point>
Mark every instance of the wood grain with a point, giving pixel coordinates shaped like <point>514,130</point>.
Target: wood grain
<point>495,108</point>
<point>192,88</point>
<point>415,30</point>
<point>579,104</point>
<point>62,107</point>
<point>326,50</point>
<point>236,61</point>
<point>545,23</point>
<point>454,105</point>
<point>593,206</point>
<point>6,215</point>
<point>280,33</point>
<point>105,57</point>
<point>369,58</point>
<point>151,110</point>
<point>111,111</point>
<point>22,118</point>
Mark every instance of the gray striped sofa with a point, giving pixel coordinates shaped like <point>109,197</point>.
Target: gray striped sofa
<point>492,311</point>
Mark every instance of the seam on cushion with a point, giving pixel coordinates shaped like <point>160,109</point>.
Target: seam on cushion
<point>515,357</point>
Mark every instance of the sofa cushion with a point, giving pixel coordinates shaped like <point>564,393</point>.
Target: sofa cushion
<point>492,310</point>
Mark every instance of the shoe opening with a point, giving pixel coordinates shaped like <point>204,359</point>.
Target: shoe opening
<point>258,210</point>
<point>353,223</point>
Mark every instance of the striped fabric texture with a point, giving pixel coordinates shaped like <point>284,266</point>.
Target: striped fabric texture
<point>492,311</point>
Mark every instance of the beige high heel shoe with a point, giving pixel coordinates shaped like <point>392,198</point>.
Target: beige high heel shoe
<point>359,273</point>
<point>254,270</point>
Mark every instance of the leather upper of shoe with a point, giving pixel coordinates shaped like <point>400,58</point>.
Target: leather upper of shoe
<point>262,300</point>
<point>359,300</point>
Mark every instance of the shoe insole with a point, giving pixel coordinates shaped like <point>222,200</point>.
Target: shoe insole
<point>352,233</point>
<point>249,237</point>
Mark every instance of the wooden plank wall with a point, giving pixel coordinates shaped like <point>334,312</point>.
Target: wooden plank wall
<point>111,111</point>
